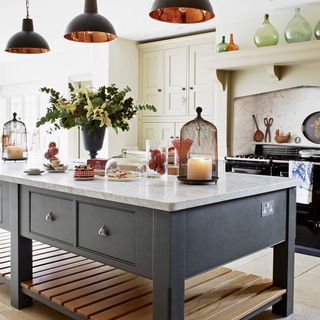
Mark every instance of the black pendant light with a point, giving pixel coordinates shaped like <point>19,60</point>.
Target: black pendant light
<point>90,26</point>
<point>182,11</point>
<point>27,41</point>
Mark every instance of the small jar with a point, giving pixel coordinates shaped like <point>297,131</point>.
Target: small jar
<point>157,159</point>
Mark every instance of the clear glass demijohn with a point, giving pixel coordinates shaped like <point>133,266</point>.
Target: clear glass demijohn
<point>298,29</point>
<point>198,152</point>
<point>14,140</point>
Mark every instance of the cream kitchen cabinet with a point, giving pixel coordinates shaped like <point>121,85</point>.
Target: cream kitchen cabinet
<point>156,131</point>
<point>176,78</point>
<point>152,81</point>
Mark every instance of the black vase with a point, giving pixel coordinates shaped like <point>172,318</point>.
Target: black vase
<point>93,140</point>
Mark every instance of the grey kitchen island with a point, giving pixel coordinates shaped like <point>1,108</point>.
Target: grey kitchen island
<point>159,232</point>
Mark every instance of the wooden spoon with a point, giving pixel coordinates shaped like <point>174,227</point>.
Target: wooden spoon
<point>258,135</point>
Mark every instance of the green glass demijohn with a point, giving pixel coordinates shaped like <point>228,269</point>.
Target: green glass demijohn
<point>267,34</point>
<point>298,29</point>
<point>222,46</point>
<point>317,31</point>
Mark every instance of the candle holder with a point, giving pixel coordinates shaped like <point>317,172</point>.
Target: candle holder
<point>14,141</point>
<point>198,152</point>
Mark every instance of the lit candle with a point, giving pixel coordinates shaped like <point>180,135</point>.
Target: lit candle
<point>15,152</point>
<point>199,169</point>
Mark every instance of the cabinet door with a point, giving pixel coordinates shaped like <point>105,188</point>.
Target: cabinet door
<point>152,81</point>
<point>201,81</point>
<point>156,131</point>
<point>176,81</point>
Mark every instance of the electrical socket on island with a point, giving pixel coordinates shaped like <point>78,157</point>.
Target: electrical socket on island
<point>267,208</point>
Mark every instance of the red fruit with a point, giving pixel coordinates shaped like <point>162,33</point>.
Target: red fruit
<point>53,151</point>
<point>160,159</point>
<point>52,144</point>
<point>154,153</point>
<point>47,155</point>
<point>152,164</point>
<point>161,170</point>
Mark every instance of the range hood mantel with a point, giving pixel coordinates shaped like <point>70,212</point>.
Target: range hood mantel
<point>273,58</point>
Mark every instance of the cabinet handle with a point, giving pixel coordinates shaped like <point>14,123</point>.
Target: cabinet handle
<point>104,232</point>
<point>50,217</point>
<point>191,88</point>
<point>183,89</point>
<point>159,90</point>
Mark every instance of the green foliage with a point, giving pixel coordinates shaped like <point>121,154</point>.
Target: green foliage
<point>108,106</point>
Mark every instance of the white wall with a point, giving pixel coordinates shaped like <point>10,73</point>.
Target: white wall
<point>23,74</point>
<point>124,71</point>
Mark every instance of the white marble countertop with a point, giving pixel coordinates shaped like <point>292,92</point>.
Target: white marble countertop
<point>166,195</point>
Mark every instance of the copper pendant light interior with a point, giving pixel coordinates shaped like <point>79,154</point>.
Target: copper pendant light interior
<point>90,26</point>
<point>182,11</point>
<point>27,41</point>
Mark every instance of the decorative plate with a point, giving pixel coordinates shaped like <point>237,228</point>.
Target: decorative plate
<point>184,180</point>
<point>83,178</point>
<point>311,127</point>
<point>33,172</point>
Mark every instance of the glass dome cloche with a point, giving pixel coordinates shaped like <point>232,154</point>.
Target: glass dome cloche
<point>14,140</point>
<point>198,152</point>
<point>267,34</point>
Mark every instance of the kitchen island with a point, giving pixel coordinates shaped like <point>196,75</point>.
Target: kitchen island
<point>156,229</point>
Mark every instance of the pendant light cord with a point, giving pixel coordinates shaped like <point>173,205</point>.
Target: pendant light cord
<point>27,7</point>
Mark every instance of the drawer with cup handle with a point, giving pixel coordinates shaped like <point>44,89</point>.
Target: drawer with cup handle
<point>107,231</point>
<point>51,217</point>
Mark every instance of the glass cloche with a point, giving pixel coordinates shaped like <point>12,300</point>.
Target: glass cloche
<point>14,140</point>
<point>198,152</point>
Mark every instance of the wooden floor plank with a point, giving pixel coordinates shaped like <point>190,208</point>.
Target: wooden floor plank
<point>203,277</point>
<point>54,259</point>
<point>215,295</point>
<point>63,267</point>
<point>49,254</point>
<point>65,273</point>
<point>49,294</point>
<point>96,302</point>
<point>141,314</point>
<point>223,304</point>
<point>42,251</point>
<point>124,308</point>
<point>57,264</point>
<point>250,305</point>
<point>38,288</point>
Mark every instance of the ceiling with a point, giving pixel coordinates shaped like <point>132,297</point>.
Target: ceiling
<point>129,17</point>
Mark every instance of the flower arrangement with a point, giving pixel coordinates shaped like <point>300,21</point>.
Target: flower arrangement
<point>107,106</point>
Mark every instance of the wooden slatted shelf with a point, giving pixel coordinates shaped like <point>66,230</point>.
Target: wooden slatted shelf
<point>98,292</point>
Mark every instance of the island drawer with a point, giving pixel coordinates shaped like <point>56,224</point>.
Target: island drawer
<point>51,217</point>
<point>107,231</point>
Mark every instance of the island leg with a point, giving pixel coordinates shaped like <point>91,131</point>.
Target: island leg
<point>168,265</point>
<point>21,254</point>
<point>283,260</point>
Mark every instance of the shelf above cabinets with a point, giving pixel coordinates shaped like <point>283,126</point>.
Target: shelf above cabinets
<point>273,58</point>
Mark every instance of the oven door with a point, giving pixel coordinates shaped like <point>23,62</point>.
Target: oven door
<point>248,167</point>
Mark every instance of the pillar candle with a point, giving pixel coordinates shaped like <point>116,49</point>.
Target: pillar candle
<point>15,152</point>
<point>199,169</point>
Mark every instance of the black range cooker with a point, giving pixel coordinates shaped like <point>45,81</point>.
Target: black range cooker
<point>274,160</point>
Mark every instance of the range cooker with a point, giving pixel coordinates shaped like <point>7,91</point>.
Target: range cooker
<point>274,160</point>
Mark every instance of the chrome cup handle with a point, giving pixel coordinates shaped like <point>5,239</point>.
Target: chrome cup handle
<point>50,217</point>
<point>104,231</point>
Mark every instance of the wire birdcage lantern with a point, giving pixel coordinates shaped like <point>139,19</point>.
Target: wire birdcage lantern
<point>14,140</point>
<point>198,152</point>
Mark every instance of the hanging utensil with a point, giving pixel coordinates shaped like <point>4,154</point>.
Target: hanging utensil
<point>258,135</point>
<point>268,123</point>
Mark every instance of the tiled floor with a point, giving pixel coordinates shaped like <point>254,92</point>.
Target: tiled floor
<point>307,290</point>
